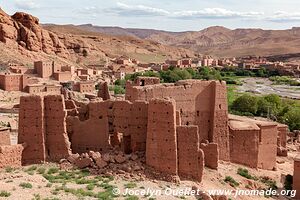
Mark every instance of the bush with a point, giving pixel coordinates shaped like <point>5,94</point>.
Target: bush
<point>4,194</point>
<point>246,103</point>
<point>245,173</point>
<point>292,118</point>
<point>119,90</point>
<point>269,182</point>
<point>231,181</point>
<point>25,185</point>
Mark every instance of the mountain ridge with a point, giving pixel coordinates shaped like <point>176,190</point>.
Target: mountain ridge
<point>217,40</point>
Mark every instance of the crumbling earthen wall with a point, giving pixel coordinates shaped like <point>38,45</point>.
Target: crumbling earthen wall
<point>11,155</point>
<point>161,148</point>
<point>267,149</point>
<point>91,134</point>
<point>103,91</point>
<point>211,154</point>
<point>201,103</point>
<point>42,127</point>
<point>105,119</point>
<point>32,129</point>
<point>143,80</point>
<point>296,177</point>
<point>190,156</point>
<point>282,139</point>
<point>131,119</point>
<point>244,141</point>
<point>5,137</point>
<point>57,141</point>
<point>220,131</point>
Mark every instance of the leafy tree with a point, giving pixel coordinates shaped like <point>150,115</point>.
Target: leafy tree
<point>292,118</point>
<point>119,90</point>
<point>246,103</point>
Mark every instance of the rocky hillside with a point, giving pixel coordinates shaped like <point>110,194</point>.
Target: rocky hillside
<point>25,40</point>
<point>217,40</point>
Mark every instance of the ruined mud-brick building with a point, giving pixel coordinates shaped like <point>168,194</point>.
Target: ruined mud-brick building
<point>5,136</point>
<point>181,127</point>
<point>199,103</point>
<point>296,177</point>
<point>255,143</point>
<point>178,135</point>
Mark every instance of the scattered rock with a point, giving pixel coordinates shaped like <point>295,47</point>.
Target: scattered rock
<point>134,157</point>
<point>100,162</point>
<point>83,162</point>
<point>120,159</point>
<point>73,157</point>
<point>94,155</point>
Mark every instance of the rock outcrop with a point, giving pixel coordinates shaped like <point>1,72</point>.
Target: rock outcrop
<point>25,36</point>
<point>25,30</point>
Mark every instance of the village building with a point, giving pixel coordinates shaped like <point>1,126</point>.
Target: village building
<point>84,87</point>
<point>12,82</point>
<point>62,76</point>
<point>44,69</point>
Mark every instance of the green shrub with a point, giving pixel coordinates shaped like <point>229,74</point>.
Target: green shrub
<point>245,173</point>
<point>41,170</point>
<point>246,103</point>
<point>130,185</point>
<point>26,185</point>
<point>52,170</point>
<point>4,193</point>
<point>231,181</point>
<point>269,182</point>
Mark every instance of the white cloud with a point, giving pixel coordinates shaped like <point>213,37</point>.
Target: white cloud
<point>26,4</point>
<point>123,9</point>
<point>282,16</point>
<point>138,10</point>
<point>126,10</point>
<point>216,13</point>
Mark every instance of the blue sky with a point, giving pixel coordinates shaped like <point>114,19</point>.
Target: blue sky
<point>172,15</point>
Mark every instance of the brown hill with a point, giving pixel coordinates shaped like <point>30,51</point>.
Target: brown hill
<point>219,41</point>
<point>24,40</point>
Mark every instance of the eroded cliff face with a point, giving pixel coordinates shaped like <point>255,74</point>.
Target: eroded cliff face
<point>24,30</point>
<point>25,38</point>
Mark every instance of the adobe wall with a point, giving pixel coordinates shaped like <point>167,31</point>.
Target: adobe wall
<point>161,148</point>
<point>131,119</point>
<point>220,131</point>
<point>57,141</point>
<point>267,148</point>
<point>91,134</point>
<point>11,155</point>
<point>5,137</point>
<point>103,91</point>
<point>42,128</point>
<point>201,103</point>
<point>106,118</point>
<point>190,156</point>
<point>211,154</point>
<point>282,140</point>
<point>296,177</point>
<point>32,129</point>
<point>143,80</point>
<point>244,141</point>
